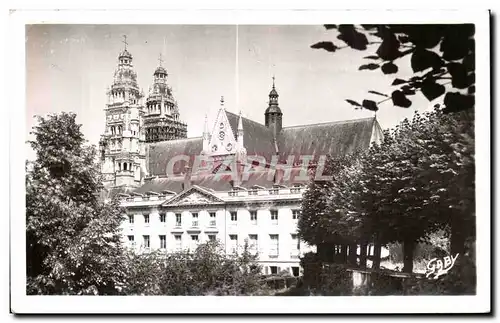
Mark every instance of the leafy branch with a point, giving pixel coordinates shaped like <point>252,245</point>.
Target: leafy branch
<point>444,49</point>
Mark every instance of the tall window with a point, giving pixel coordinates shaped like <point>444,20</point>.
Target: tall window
<point>146,241</point>
<point>295,214</point>
<point>131,219</point>
<point>213,221</point>
<point>178,242</point>
<point>131,240</point>
<point>178,219</point>
<point>234,216</point>
<point>163,217</point>
<point>194,242</point>
<point>146,218</point>
<point>253,244</point>
<point>163,242</point>
<point>253,217</point>
<point>233,238</point>
<point>274,246</point>
<point>195,220</point>
<point>295,247</point>
<point>274,217</point>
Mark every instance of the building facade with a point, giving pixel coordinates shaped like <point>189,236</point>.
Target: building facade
<point>240,183</point>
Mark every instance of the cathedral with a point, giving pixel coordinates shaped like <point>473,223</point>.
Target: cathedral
<point>240,183</point>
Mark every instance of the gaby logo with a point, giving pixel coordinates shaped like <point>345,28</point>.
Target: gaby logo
<point>437,267</point>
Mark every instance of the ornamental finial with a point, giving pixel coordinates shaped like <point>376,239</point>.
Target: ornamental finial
<point>125,41</point>
<point>160,59</point>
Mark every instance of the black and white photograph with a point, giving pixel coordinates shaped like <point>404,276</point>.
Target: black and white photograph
<point>302,164</point>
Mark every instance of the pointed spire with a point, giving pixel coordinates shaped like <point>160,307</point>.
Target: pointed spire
<point>273,95</point>
<point>160,59</point>
<point>125,41</point>
<point>222,101</point>
<point>205,126</point>
<point>240,123</point>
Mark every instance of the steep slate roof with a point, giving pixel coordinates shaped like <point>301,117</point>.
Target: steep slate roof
<point>264,179</point>
<point>110,193</point>
<point>257,138</point>
<point>160,153</point>
<point>161,184</point>
<point>216,182</point>
<point>332,138</point>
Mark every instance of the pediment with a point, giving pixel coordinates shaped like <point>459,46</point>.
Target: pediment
<point>193,196</point>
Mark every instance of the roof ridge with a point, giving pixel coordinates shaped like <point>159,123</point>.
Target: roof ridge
<point>175,140</point>
<point>236,115</point>
<point>330,122</point>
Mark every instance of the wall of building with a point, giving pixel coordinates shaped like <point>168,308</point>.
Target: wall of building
<point>226,226</point>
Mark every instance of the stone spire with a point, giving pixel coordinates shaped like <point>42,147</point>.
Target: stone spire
<point>206,135</point>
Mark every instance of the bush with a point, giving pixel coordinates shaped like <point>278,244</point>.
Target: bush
<point>207,271</point>
<point>460,280</point>
<point>385,284</point>
<point>335,280</point>
<point>312,270</point>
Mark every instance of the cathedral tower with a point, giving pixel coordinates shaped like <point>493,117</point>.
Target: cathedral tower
<point>122,145</point>
<point>162,119</point>
<point>273,115</point>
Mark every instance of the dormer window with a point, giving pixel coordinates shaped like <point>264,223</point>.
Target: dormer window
<point>273,191</point>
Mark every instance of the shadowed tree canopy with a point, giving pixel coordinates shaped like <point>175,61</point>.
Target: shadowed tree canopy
<point>418,181</point>
<point>73,238</point>
<point>440,55</point>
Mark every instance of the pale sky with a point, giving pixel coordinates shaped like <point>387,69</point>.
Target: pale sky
<point>69,67</point>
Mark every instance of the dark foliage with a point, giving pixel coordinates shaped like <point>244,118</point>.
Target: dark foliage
<point>73,238</point>
<point>439,53</point>
<point>418,181</point>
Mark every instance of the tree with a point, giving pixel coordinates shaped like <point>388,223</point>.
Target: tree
<point>440,55</point>
<point>419,180</point>
<point>73,238</point>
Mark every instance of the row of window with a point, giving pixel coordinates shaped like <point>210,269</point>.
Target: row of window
<point>233,242</point>
<point>163,240</point>
<point>273,191</point>
<point>274,270</point>
<point>213,222</point>
<point>119,130</point>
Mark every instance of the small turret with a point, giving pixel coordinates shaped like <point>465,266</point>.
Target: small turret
<point>273,114</point>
